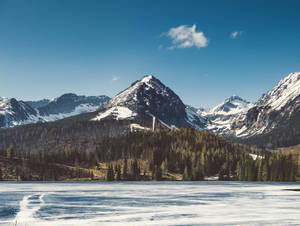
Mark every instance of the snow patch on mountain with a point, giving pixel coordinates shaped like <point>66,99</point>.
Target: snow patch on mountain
<point>194,118</point>
<point>82,108</point>
<point>118,113</point>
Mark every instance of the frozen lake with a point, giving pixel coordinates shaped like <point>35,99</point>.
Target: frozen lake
<point>149,203</point>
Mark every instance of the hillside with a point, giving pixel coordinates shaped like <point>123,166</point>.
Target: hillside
<point>185,154</point>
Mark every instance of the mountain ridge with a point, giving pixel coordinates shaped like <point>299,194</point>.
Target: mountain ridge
<point>16,113</point>
<point>235,118</point>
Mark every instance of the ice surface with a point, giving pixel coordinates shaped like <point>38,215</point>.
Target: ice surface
<point>149,203</point>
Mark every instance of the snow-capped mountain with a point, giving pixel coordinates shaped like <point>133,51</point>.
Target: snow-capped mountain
<point>14,112</point>
<point>273,109</point>
<point>70,104</point>
<point>231,106</point>
<point>238,118</point>
<point>223,115</point>
<point>148,97</point>
<point>278,110</point>
<point>283,93</point>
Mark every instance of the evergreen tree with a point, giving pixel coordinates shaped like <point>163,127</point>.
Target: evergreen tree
<point>125,169</point>
<point>157,173</point>
<point>110,173</point>
<point>198,173</point>
<point>186,175</point>
<point>135,170</point>
<point>265,174</point>
<point>118,173</point>
<point>260,170</point>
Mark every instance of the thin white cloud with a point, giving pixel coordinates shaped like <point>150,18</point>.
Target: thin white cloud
<point>234,34</point>
<point>114,79</point>
<point>186,37</point>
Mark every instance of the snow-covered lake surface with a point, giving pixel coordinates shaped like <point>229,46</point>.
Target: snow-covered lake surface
<point>149,203</point>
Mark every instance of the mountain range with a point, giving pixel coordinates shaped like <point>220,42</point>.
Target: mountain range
<point>15,113</point>
<point>263,122</point>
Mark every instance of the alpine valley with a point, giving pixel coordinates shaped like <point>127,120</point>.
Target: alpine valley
<point>147,132</point>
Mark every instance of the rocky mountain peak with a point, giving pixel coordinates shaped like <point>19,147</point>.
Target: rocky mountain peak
<point>285,91</point>
<point>147,96</point>
<point>235,98</point>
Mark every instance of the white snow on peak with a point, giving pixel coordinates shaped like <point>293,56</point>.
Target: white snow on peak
<point>119,107</point>
<point>286,90</point>
<point>130,93</point>
<point>117,112</point>
<point>146,78</point>
<point>231,106</point>
<point>221,117</point>
<point>148,82</point>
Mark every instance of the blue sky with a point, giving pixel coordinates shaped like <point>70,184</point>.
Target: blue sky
<point>204,50</point>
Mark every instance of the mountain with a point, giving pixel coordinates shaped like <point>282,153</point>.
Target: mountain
<point>14,112</point>
<point>231,106</point>
<point>150,97</point>
<point>263,123</point>
<point>223,115</point>
<point>274,120</point>
<point>273,109</point>
<point>136,105</point>
<point>70,104</point>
